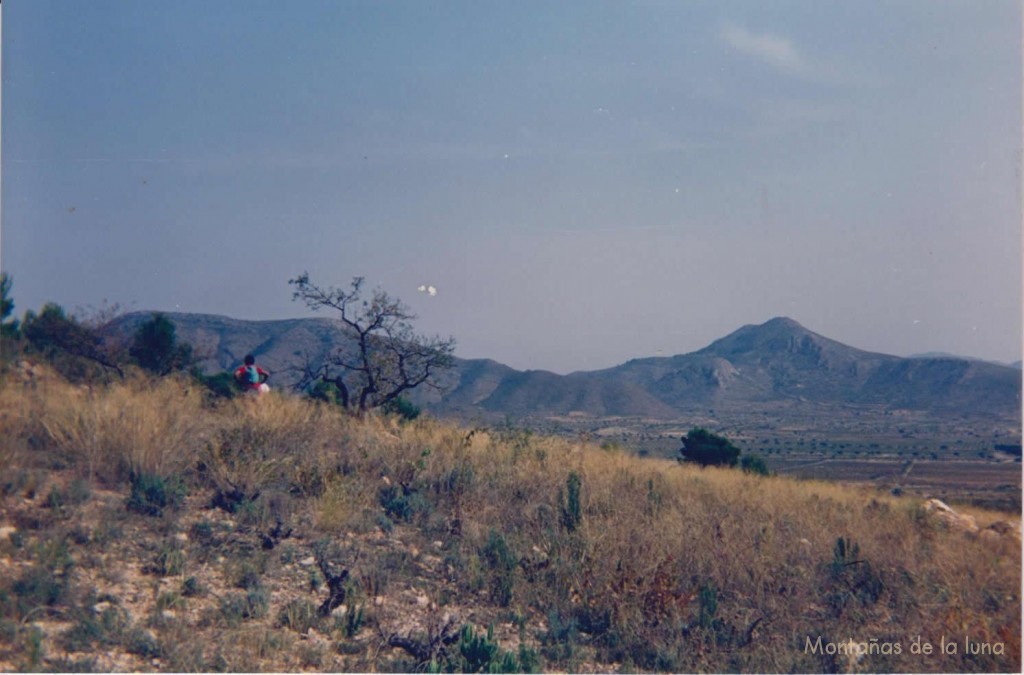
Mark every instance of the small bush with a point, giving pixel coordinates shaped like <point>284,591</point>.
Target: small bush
<point>572,514</point>
<point>47,582</point>
<point>481,654</point>
<point>238,607</point>
<point>192,588</point>
<point>96,630</point>
<point>754,464</point>
<point>169,561</point>
<point>299,615</point>
<point>503,564</point>
<point>151,495</point>
<point>351,621</point>
<point>401,408</point>
<point>402,504</point>
<point>220,386</point>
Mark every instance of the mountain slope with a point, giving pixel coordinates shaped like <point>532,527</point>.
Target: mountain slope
<point>777,361</point>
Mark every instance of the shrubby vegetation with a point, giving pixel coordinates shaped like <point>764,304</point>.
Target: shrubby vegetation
<point>417,536</point>
<point>291,534</point>
<point>8,326</point>
<point>156,349</point>
<point>707,449</point>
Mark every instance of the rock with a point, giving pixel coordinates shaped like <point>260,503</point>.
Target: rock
<point>943,512</point>
<point>307,562</point>
<point>1001,530</point>
<point>7,531</point>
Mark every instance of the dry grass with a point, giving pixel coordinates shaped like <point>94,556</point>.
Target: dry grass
<point>112,432</point>
<point>603,560</point>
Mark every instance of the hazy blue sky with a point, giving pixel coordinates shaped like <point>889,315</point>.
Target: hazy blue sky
<point>582,182</point>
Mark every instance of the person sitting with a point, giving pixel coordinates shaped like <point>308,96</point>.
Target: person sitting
<point>251,377</point>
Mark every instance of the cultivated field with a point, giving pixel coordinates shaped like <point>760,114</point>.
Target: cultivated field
<point>950,457</point>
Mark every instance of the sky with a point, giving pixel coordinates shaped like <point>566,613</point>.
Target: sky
<point>581,182</point>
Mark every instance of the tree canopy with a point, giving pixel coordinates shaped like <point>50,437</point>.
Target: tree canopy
<point>385,357</point>
<point>7,328</point>
<point>71,345</point>
<point>708,449</point>
<point>155,347</point>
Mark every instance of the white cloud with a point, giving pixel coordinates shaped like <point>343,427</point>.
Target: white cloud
<point>774,50</point>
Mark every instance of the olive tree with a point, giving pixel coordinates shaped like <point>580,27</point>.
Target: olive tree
<point>385,357</point>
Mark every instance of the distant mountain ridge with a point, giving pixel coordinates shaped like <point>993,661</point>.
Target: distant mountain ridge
<point>948,355</point>
<point>777,361</point>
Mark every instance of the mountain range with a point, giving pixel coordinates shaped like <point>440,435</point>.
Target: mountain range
<point>756,365</point>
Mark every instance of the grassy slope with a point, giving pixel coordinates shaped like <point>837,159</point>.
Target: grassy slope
<point>581,558</point>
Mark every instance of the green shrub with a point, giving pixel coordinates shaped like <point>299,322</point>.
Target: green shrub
<point>572,515</point>
<point>402,504</point>
<point>503,564</point>
<point>562,636</point>
<point>92,630</point>
<point>220,385</point>
<point>192,588</point>
<point>754,464</point>
<point>238,607</point>
<point>46,583</point>
<point>352,620</point>
<point>169,561</point>
<point>151,495</point>
<point>299,615</point>
<point>708,449</point>
<point>851,578</point>
<point>482,654</point>
<point>402,408</point>
<point>327,392</point>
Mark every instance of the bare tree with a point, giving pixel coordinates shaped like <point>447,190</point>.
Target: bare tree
<point>386,357</point>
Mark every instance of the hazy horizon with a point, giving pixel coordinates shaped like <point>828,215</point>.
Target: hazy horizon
<point>582,183</point>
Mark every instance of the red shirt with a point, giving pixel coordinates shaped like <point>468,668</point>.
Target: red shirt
<point>242,377</point>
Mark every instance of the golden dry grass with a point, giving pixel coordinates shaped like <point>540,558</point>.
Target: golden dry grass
<point>661,566</point>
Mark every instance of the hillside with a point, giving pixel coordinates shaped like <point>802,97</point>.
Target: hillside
<point>779,361</point>
<point>144,527</point>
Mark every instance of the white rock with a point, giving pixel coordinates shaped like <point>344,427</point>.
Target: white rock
<point>6,531</point>
<point>306,562</point>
